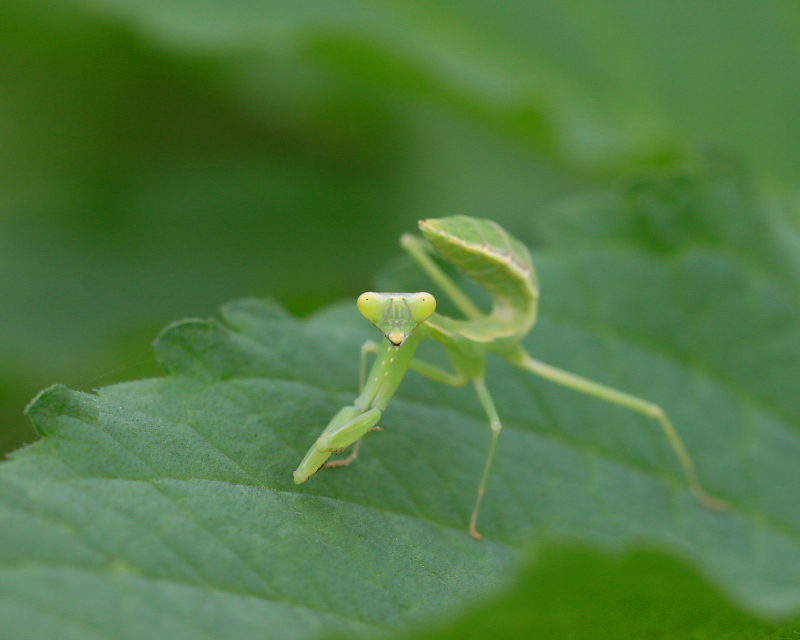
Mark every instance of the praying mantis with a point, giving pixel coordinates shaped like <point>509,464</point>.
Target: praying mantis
<point>485,252</point>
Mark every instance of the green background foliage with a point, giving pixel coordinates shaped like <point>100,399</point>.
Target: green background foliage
<point>576,593</point>
<point>160,157</point>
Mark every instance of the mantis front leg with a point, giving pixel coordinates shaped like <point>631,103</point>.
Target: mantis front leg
<point>401,318</point>
<point>452,379</point>
<point>426,369</point>
<point>370,346</point>
<point>349,432</point>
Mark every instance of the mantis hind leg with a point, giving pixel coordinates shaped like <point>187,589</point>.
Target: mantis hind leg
<point>644,407</point>
<point>419,250</point>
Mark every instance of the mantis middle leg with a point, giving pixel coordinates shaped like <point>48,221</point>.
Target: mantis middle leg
<point>494,423</point>
<point>459,379</point>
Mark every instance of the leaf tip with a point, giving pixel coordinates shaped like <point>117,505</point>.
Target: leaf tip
<point>52,405</point>
<point>182,346</point>
<point>254,309</point>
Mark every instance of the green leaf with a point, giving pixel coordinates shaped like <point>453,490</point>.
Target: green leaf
<point>433,52</point>
<point>592,82</point>
<point>579,593</point>
<point>334,121</point>
<point>276,171</point>
<point>166,507</point>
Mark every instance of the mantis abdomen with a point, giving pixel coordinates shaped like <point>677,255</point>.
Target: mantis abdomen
<point>485,252</point>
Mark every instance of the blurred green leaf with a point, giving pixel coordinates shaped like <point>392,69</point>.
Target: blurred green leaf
<point>166,508</point>
<point>430,52</point>
<point>570,593</point>
<point>140,184</point>
<point>592,82</point>
<point>157,157</point>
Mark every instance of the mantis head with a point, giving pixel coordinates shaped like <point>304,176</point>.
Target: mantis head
<point>396,314</point>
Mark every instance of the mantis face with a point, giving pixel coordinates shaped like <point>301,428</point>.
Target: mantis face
<point>396,314</point>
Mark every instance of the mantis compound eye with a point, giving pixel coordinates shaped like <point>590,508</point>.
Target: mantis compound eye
<point>422,306</point>
<point>370,304</point>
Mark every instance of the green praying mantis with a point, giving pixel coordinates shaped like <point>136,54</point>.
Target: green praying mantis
<point>485,252</point>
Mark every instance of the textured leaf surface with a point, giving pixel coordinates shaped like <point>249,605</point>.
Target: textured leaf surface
<point>165,507</point>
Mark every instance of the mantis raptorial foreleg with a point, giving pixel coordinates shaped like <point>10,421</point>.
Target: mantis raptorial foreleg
<point>343,462</point>
<point>430,371</point>
<point>370,346</point>
<point>346,434</point>
<point>622,399</point>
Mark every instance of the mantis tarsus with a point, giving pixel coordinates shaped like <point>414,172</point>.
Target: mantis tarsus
<point>484,251</point>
